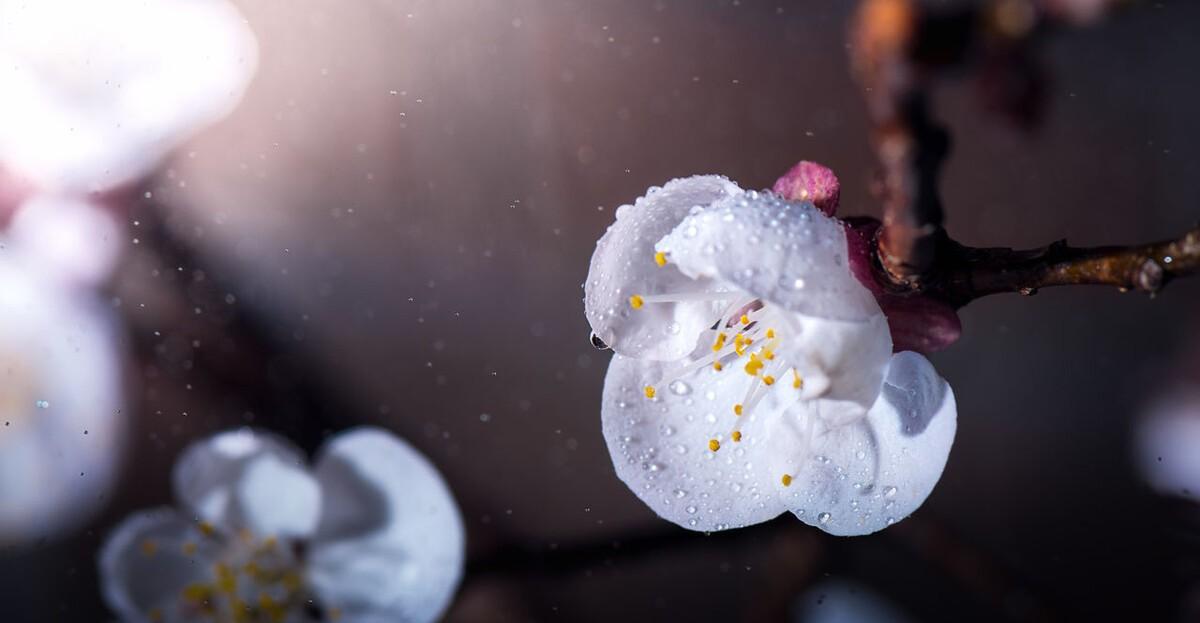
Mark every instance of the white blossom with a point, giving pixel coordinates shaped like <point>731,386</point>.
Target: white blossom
<point>753,373</point>
<point>371,534</point>
<point>97,93</point>
<point>61,420</point>
<point>1168,443</point>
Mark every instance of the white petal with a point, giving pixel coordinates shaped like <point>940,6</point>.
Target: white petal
<point>787,253</point>
<point>67,238</point>
<point>865,476</point>
<point>1168,444</point>
<point>209,473</point>
<point>277,498</point>
<point>660,450</point>
<point>391,538</point>
<point>62,427</point>
<point>144,566</point>
<point>842,362</point>
<point>836,600</point>
<point>96,93</point>
<point>623,265</point>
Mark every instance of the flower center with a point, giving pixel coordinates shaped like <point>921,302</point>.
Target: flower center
<point>745,338</point>
<point>252,580</point>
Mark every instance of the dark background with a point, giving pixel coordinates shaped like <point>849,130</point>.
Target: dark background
<point>403,209</point>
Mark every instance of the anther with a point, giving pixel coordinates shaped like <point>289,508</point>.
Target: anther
<point>714,445</point>
<point>769,380</point>
<point>649,391</point>
<point>636,301</point>
<point>660,258</point>
<point>737,435</point>
<point>737,409</point>
<point>786,480</point>
<point>717,366</point>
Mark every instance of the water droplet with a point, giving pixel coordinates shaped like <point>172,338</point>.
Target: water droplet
<point>680,493</point>
<point>43,404</point>
<point>667,430</point>
<point>673,328</point>
<point>691,510</point>
<point>860,455</point>
<point>823,518</point>
<point>889,491</point>
<point>680,388</point>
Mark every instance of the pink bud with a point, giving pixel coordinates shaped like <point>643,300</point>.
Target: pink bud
<point>809,181</point>
<point>918,323</point>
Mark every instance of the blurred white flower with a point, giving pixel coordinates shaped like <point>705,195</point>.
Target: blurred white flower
<point>837,600</point>
<point>69,239</point>
<point>1168,444</point>
<point>753,373</point>
<point>370,535</point>
<point>97,93</point>
<point>61,425</point>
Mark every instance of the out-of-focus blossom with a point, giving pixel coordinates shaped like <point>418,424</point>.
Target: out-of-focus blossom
<point>370,535</point>
<point>61,426</point>
<point>842,601</point>
<point>69,239</point>
<point>96,93</point>
<point>753,373</point>
<point>1168,443</point>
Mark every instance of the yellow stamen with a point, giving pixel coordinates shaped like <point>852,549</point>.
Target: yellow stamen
<point>660,258</point>
<point>149,547</point>
<point>768,353</point>
<point>786,480</point>
<point>226,579</point>
<point>189,549</point>
<point>714,445</point>
<point>206,528</point>
<point>770,334</point>
<point>720,343</point>
<point>745,319</point>
<point>717,366</point>
<point>636,301</point>
<point>198,592</point>
<point>737,435</point>
<point>649,391</point>
<point>797,382</point>
<point>737,409</point>
<point>769,380</point>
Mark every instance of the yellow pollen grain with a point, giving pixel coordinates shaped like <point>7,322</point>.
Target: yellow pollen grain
<point>745,319</point>
<point>717,366</point>
<point>737,436</point>
<point>648,391</point>
<point>714,445</point>
<point>660,258</point>
<point>737,409</point>
<point>636,301</point>
<point>149,547</point>
<point>797,382</point>
<point>720,343</point>
<point>206,528</point>
<point>770,334</point>
<point>786,480</point>
<point>197,592</point>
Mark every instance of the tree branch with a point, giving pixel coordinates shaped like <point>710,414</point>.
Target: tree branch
<point>966,273</point>
<point>896,50</point>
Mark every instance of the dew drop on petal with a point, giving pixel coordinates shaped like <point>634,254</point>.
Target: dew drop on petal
<point>889,491</point>
<point>823,518</point>
<point>680,388</point>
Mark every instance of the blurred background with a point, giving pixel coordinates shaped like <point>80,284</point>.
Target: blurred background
<point>393,225</point>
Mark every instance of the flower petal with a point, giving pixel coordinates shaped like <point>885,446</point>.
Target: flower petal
<point>277,498</point>
<point>211,477</point>
<point>97,93</point>
<point>624,264</point>
<point>391,538</point>
<point>69,238</point>
<point>60,403</point>
<point>147,561</point>
<point>1167,440</point>
<point>660,450</point>
<point>786,253</point>
<point>865,476</point>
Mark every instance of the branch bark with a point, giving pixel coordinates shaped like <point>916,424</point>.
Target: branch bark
<point>896,49</point>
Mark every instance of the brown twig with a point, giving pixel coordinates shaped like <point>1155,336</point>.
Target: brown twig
<point>896,50</point>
